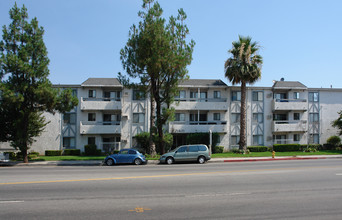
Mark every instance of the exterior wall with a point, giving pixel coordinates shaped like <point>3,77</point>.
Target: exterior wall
<point>327,107</point>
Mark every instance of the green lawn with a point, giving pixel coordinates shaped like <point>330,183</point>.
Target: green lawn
<point>221,155</point>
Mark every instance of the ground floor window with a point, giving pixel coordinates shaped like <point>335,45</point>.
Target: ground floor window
<point>69,142</point>
<point>258,140</point>
<point>314,139</point>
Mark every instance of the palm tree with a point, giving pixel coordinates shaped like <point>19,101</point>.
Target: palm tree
<point>244,66</point>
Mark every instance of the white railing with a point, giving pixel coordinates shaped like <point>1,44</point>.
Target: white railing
<point>102,99</point>
<point>199,122</point>
<point>101,122</point>
<point>290,100</point>
<point>200,99</point>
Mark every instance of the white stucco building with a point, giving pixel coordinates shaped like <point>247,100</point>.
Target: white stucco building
<point>110,115</point>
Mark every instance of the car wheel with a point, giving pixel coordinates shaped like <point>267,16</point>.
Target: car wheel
<point>110,162</point>
<point>201,159</point>
<point>137,161</point>
<point>169,160</point>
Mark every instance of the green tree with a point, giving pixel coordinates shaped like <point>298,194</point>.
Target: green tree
<point>338,123</point>
<point>244,66</point>
<point>25,89</point>
<point>157,54</point>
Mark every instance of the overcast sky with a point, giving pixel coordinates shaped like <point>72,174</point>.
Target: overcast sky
<point>300,39</point>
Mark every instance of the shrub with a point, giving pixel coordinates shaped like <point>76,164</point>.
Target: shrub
<point>91,150</point>
<point>258,148</point>
<point>286,147</point>
<point>334,140</point>
<point>315,147</point>
<point>217,149</point>
<point>339,148</point>
<point>12,155</point>
<point>72,152</point>
<point>53,153</point>
<point>238,151</point>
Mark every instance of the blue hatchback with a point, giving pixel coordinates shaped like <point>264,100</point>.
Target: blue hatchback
<point>126,156</point>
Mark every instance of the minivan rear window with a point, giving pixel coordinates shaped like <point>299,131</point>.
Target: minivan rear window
<point>202,148</point>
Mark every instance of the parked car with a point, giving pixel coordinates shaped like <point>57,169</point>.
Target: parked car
<point>126,156</point>
<point>198,152</point>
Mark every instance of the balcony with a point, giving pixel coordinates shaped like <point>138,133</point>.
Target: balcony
<point>100,127</point>
<point>290,105</point>
<point>198,127</point>
<point>289,126</point>
<point>200,104</point>
<point>100,104</point>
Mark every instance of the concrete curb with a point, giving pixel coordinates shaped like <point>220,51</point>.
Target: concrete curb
<point>151,162</point>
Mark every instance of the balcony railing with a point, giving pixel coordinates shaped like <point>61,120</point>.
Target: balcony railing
<point>285,141</point>
<point>106,127</point>
<point>198,126</point>
<point>101,104</point>
<point>200,104</point>
<point>290,104</point>
<point>289,126</point>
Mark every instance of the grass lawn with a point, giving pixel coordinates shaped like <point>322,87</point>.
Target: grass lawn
<point>269,154</point>
<point>221,155</point>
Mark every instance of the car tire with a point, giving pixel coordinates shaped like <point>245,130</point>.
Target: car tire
<point>110,162</point>
<point>201,160</point>
<point>169,160</point>
<point>137,161</point>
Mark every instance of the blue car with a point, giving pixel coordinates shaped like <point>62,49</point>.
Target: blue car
<point>126,156</point>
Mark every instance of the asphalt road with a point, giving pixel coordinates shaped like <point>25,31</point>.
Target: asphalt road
<point>309,189</point>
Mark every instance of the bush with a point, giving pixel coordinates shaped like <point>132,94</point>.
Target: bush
<point>72,152</point>
<point>91,150</point>
<point>258,148</point>
<point>12,155</point>
<point>238,151</point>
<point>334,140</point>
<point>286,147</point>
<point>217,149</point>
<point>328,147</point>
<point>53,153</point>
<point>305,147</point>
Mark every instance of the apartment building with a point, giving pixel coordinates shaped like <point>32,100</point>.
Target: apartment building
<point>110,115</point>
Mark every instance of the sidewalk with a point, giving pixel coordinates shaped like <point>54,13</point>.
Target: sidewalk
<point>154,162</point>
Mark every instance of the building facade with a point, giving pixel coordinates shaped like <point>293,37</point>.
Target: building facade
<point>110,115</point>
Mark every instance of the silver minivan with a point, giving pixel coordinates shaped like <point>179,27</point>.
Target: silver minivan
<point>184,153</point>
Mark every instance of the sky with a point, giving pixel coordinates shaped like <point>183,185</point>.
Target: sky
<point>300,39</point>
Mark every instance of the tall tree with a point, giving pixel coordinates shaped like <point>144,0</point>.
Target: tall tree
<point>26,91</point>
<point>157,53</point>
<point>338,123</point>
<point>244,66</point>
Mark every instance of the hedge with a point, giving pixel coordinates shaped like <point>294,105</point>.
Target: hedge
<point>72,152</point>
<point>217,149</point>
<point>286,147</point>
<point>53,153</point>
<point>258,148</point>
<point>91,150</point>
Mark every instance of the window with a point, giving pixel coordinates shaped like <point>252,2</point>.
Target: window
<point>279,117</point>
<point>313,97</point>
<point>193,95</point>
<point>138,117</point>
<point>182,149</point>
<point>279,139</point>
<point>236,96</point>
<point>203,97</point>
<point>202,148</point>
<point>193,148</point>
<point>217,94</point>
<point>91,140</point>
<point>296,95</point>
<point>74,92</point>
<point>92,94</point>
<point>69,118</point>
<point>217,116</point>
<point>258,117</point>
<point>296,137</point>
<point>69,142</point>
<point>257,96</point>
<point>124,152</point>
<point>235,117</point>
<point>181,95</point>
<point>179,117</point>
<point>132,152</point>
<point>314,139</point>
<point>258,140</point>
<point>296,116</point>
<point>313,117</point>
<point>194,117</point>
<point>235,139</point>
<point>138,95</point>
<point>280,96</point>
<point>91,117</point>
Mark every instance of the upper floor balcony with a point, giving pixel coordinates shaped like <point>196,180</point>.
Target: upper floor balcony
<point>107,127</point>
<point>101,104</point>
<point>289,105</point>
<point>198,126</point>
<point>289,126</point>
<point>201,104</point>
